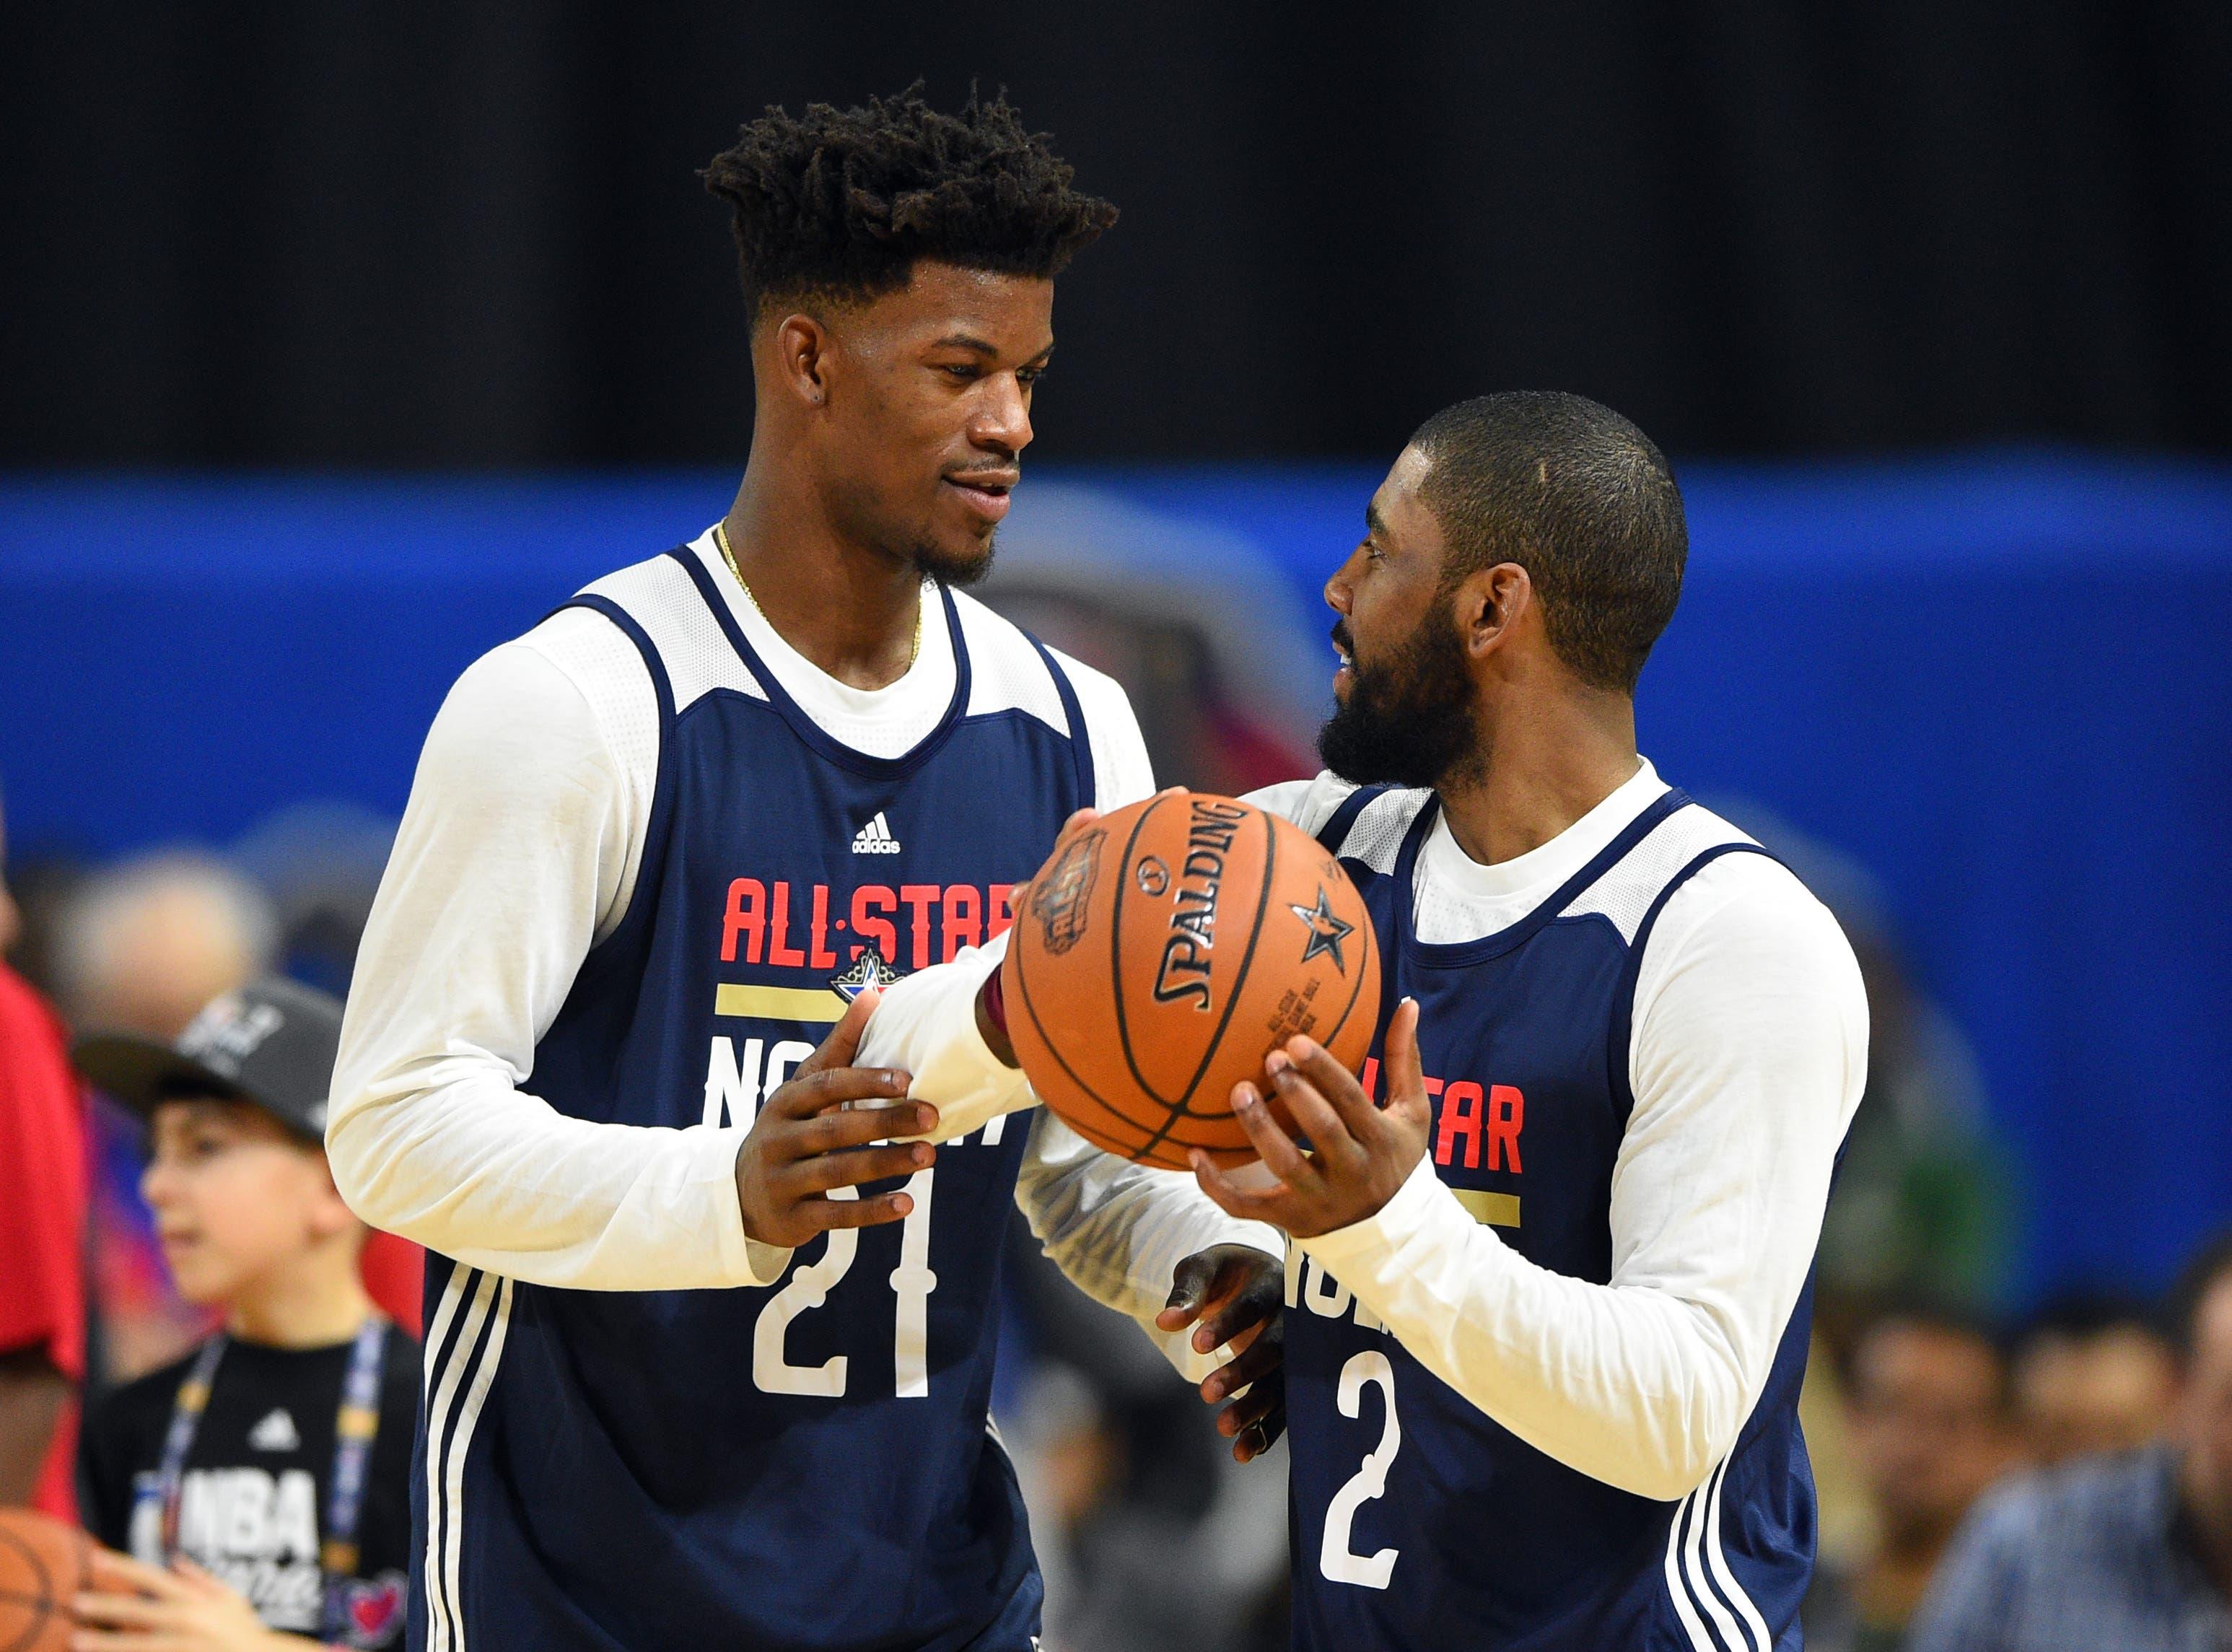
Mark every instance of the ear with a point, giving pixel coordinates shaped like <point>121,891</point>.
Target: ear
<point>329,1212</point>
<point>802,347</point>
<point>1490,607</point>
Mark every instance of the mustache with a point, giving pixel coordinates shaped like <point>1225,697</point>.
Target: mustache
<point>1341,640</point>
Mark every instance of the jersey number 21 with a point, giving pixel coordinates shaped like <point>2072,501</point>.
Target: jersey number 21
<point>809,1287</point>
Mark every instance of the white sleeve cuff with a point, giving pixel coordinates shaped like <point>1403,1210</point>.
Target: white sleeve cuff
<point>926,1025</point>
<point>745,1261</point>
<point>1421,1209</point>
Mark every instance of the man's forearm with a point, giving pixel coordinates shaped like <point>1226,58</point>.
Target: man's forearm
<point>472,1167</point>
<point>1629,1386</point>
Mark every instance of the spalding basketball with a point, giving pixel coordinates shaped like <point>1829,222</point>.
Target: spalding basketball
<point>1168,949</point>
<point>42,1564</point>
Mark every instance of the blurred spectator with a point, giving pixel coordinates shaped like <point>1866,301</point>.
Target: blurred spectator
<point>138,947</point>
<point>1930,1431</point>
<point>42,1193</point>
<point>2132,1552</point>
<point>2092,1373</point>
<point>143,945</point>
<point>276,1459</point>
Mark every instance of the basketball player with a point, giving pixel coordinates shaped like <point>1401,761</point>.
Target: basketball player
<point>1569,1260</point>
<point>1547,1313</point>
<point>708,1354</point>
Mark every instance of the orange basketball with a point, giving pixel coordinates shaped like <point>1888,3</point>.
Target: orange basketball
<point>1168,949</point>
<point>42,1564</point>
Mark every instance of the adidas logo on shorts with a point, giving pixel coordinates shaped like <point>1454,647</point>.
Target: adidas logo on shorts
<point>875,838</point>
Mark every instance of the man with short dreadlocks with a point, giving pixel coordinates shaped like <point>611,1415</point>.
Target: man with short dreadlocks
<point>711,1326</point>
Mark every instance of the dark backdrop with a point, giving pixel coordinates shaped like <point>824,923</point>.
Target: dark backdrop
<point>360,234</point>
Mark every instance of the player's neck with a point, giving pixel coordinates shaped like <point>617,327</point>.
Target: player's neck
<point>851,609</point>
<point>312,1300</point>
<point>1548,763</point>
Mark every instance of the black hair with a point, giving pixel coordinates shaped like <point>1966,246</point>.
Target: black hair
<point>2079,1315</point>
<point>1578,497</point>
<point>2210,1266</point>
<point>839,204</point>
<point>1924,1310</point>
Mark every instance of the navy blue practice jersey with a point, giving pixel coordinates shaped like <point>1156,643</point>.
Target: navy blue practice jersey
<point>807,1464</point>
<point>1417,1522</point>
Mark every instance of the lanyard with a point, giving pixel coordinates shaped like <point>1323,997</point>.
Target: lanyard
<point>354,1429</point>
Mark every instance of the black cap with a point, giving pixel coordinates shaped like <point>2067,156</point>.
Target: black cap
<point>271,1044</point>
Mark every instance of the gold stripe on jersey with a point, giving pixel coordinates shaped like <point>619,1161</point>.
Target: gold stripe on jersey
<point>815,1005</point>
<point>1501,1210</point>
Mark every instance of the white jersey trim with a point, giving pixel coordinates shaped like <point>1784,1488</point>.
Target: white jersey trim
<point>469,1363</point>
<point>1694,1550</point>
<point>660,597</point>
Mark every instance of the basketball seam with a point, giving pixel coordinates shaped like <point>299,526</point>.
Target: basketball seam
<point>45,1608</point>
<point>1184,1107</point>
<point>1030,1009</point>
<point>1116,958</point>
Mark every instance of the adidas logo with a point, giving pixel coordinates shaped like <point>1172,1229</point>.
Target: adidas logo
<point>275,1433</point>
<point>875,838</point>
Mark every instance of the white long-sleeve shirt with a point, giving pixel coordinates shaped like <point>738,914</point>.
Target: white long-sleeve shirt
<point>518,851</point>
<point>1747,1054</point>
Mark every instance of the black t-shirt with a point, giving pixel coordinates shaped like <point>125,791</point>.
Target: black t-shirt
<point>252,1502</point>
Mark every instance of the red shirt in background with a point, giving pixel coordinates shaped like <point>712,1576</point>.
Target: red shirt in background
<point>395,1273</point>
<point>43,1204</point>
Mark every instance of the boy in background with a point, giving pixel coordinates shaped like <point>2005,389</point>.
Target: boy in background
<point>261,1485</point>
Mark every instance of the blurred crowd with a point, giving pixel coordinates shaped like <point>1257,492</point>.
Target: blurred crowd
<point>1967,1462</point>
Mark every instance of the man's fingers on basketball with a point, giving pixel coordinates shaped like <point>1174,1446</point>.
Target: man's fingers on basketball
<point>1406,1077</point>
<point>1273,1145</point>
<point>1338,1085</point>
<point>824,1171</point>
<point>1314,1115</point>
<point>857,1212</point>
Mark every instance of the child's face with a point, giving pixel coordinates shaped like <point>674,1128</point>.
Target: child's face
<point>234,1196</point>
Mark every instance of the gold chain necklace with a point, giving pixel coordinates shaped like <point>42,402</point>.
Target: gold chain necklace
<point>721,538</point>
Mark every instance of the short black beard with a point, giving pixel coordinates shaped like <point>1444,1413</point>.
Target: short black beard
<point>1410,721</point>
<point>954,572</point>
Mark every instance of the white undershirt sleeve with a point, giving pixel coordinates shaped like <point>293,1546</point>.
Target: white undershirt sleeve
<point>1748,1058</point>
<point>1117,1230</point>
<point>516,852</point>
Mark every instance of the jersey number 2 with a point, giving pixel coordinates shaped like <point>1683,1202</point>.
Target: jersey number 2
<point>809,1287</point>
<point>1370,1481</point>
